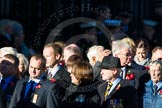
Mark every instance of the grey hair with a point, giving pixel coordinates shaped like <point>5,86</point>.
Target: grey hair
<point>118,45</point>
<point>94,51</point>
<point>155,63</point>
<point>8,50</point>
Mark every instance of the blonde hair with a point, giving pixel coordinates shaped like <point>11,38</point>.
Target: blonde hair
<point>24,60</point>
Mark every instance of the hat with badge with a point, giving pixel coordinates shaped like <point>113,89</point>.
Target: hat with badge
<point>110,62</point>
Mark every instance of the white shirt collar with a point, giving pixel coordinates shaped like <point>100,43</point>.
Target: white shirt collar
<point>53,70</point>
<point>115,82</point>
<point>35,80</point>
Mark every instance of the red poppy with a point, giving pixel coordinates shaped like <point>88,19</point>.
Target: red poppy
<point>127,77</point>
<point>147,68</point>
<point>118,87</point>
<point>38,86</point>
<point>52,80</point>
<point>130,76</point>
<point>160,92</point>
<point>62,63</point>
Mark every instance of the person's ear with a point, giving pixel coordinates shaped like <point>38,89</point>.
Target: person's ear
<point>115,71</point>
<point>116,55</point>
<point>94,59</point>
<point>58,56</point>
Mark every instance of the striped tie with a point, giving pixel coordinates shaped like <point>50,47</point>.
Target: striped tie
<point>108,89</point>
<point>49,75</point>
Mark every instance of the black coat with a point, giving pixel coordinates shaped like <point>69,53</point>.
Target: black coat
<point>8,91</point>
<point>63,80</point>
<point>2,99</point>
<point>62,75</point>
<point>139,76</point>
<point>123,91</point>
<point>46,96</point>
<point>81,97</point>
<point>97,71</point>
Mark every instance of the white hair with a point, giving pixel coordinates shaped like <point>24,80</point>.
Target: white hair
<point>94,51</point>
<point>8,50</point>
<point>116,47</point>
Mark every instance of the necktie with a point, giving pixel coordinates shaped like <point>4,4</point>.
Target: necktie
<point>108,89</point>
<point>29,89</point>
<point>155,87</point>
<point>49,75</point>
<point>2,83</point>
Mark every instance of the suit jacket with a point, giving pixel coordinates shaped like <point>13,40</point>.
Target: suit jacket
<point>138,75</point>
<point>61,74</point>
<point>45,95</point>
<point>122,92</point>
<point>97,71</point>
<point>137,66</point>
<point>62,78</point>
<point>8,91</point>
<point>2,99</point>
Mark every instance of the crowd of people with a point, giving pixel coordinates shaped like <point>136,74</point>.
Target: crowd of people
<point>61,78</point>
<point>124,71</point>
